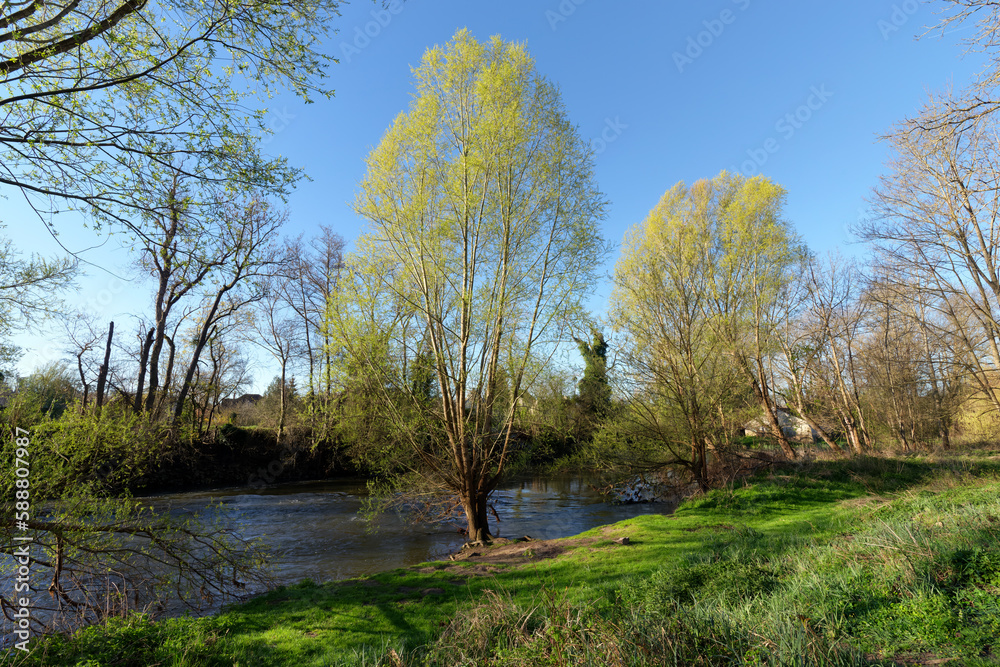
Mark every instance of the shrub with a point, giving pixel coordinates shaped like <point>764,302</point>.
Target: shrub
<point>109,453</point>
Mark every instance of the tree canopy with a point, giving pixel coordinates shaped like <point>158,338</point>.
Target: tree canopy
<point>98,97</point>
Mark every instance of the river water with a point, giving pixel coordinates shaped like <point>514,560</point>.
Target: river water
<point>314,531</point>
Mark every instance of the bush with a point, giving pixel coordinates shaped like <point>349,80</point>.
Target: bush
<point>108,453</point>
<point>43,395</point>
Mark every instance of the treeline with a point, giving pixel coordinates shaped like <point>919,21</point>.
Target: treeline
<point>223,282</point>
<point>727,323</point>
<point>432,349</point>
<point>225,286</point>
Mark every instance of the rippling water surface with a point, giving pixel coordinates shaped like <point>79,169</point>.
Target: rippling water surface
<point>314,530</point>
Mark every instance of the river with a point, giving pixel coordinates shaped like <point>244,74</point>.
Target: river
<point>314,531</point>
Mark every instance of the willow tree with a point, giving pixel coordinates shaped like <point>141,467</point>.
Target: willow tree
<point>756,256</point>
<point>678,379</point>
<point>696,300</point>
<point>482,244</point>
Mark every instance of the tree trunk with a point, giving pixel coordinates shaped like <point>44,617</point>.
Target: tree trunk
<point>476,506</point>
<point>822,433</point>
<point>143,363</point>
<point>83,382</point>
<point>862,432</point>
<point>938,389</point>
<point>777,430</point>
<point>311,409</point>
<point>699,462</point>
<point>282,404</point>
<point>207,331</point>
<point>847,407</point>
<point>758,382</point>
<point>851,430</point>
<point>167,295</point>
<point>102,374</point>
<point>800,403</point>
<point>944,431</point>
<point>328,389</point>
<point>167,378</point>
<point>154,366</point>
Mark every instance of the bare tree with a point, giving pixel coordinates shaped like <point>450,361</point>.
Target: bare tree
<point>85,340</point>
<point>247,254</point>
<point>804,339</point>
<point>936,232</point>
<point>273,328</point>
<point>312,272</point>
<point>840,314</point>
<point>943,359</point>
<point>227,374</point>
<point>980,99</point>
<point>912,367</point>
<point>891,365</point>
<point>179,251</point>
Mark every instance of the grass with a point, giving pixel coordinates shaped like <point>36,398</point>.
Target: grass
<point>867,561</point>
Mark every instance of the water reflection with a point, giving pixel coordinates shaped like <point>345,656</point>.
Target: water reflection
<point>314,531</point>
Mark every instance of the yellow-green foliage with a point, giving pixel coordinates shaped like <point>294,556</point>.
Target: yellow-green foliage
<point>697,299</point>
<point>481,248</point>
<point>107,452</point>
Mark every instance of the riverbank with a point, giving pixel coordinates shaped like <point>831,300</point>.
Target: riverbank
<point>861,562</point>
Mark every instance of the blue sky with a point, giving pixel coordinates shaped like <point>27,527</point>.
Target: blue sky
<point>667,91</point>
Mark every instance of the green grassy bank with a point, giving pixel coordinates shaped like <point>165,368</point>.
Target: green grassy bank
<point>870,561</point>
